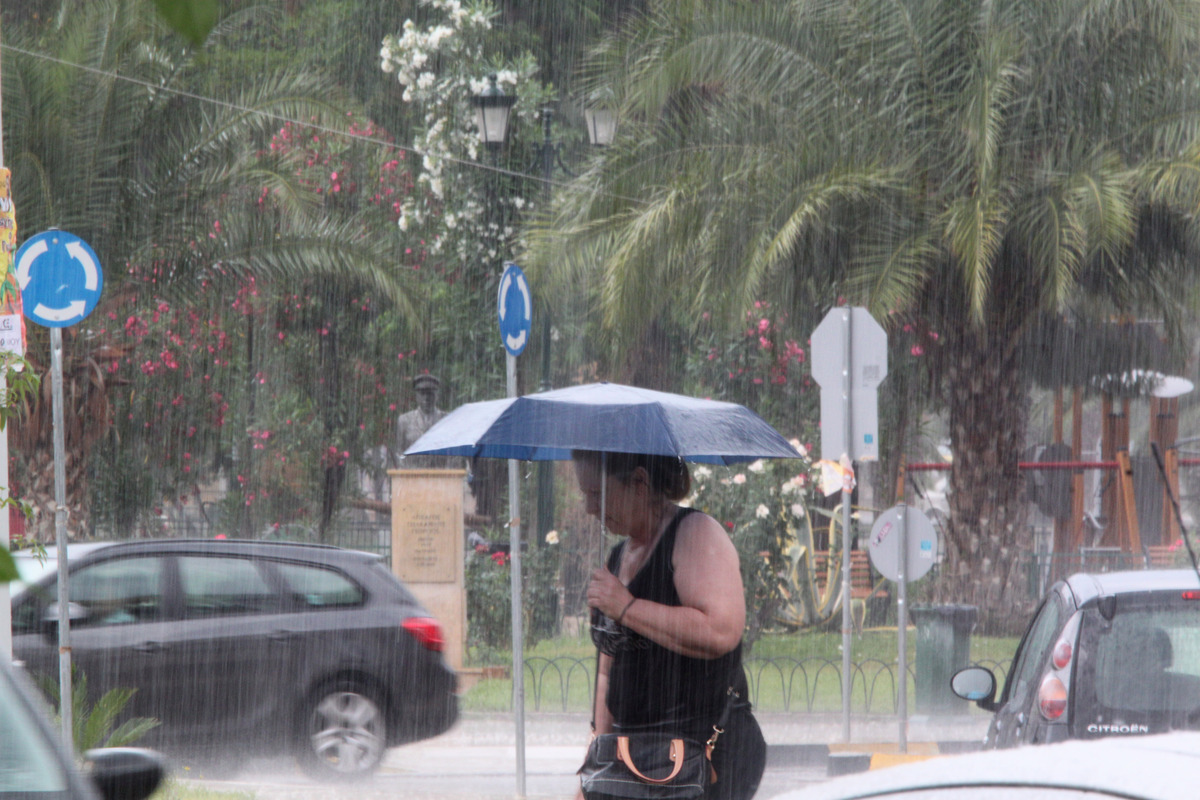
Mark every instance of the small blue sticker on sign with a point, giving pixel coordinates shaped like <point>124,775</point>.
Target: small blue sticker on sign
<point>868,438</point>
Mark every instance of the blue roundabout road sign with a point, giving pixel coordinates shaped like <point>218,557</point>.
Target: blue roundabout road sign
<point>60,278</point>
<point>515,305</point>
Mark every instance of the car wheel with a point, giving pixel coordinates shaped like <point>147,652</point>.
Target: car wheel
<point>345,733</point>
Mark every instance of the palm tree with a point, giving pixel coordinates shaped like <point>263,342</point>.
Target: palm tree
<point>107,139</point>
<point>978,167</point>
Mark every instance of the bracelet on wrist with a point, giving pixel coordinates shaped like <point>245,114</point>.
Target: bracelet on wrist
<point>621,616</point>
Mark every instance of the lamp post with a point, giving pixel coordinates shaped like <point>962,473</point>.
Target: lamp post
<point>545,478</point>
<point>601,127</point>
<point>492,108</point>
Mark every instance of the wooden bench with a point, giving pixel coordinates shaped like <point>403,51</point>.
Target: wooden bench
<point>863,581</point>
<point>1163,557</point>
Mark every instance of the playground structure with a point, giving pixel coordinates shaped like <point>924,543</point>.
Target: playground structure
<point>1138,523</point>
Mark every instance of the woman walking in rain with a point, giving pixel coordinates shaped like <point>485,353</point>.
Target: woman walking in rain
<point>668,615</point>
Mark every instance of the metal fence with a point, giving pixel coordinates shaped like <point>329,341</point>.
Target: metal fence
<point>1043,569</point>
<point>810,684</point>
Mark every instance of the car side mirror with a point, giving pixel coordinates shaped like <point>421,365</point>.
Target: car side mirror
<point>125,773</point>
<point>976,684</point>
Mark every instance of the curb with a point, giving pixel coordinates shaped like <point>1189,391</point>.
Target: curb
<point>844,759</point>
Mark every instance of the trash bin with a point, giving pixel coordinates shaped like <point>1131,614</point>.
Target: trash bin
<point>943,648</point>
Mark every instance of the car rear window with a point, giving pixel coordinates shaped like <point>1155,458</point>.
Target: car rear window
<point>1147,665</point>
<point>317,587</point>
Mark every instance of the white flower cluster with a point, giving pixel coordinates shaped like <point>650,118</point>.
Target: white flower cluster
<point>407,55</point>
<point>450,215</point>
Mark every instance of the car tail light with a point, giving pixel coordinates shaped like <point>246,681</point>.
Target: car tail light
<point>426,631</point>
<point>1062,654</point>
<point>1191,594</point>
<point>1052,698</point>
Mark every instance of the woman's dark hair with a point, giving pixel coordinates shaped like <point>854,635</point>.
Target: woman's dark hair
<point>669,475</point>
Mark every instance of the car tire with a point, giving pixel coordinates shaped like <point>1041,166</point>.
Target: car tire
<point>345,732</point>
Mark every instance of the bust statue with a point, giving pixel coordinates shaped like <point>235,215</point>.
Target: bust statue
<point>412,424</point>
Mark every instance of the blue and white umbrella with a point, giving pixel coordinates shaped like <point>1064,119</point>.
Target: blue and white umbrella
<point>605,417</point>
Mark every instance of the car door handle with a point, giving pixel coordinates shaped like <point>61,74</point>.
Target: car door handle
<point>281,636</point>
<point>150,647</point>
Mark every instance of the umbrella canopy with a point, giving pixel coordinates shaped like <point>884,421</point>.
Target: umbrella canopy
<point>607,417</point>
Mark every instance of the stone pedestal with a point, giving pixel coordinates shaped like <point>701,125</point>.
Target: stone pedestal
<point>427,547</point>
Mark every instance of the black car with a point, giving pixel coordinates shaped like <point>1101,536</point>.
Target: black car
<point>241,647</point>
<point>34,762</point>
<point>1113,654</point>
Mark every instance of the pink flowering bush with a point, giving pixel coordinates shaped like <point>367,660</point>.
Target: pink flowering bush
<point>230,385</point>
<point>764,365</point>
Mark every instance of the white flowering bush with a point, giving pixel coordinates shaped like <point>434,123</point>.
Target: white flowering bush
<point>770,509</point>
<point>464,208</point>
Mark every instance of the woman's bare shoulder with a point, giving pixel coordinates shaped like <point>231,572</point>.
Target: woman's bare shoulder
<point>698,530</point>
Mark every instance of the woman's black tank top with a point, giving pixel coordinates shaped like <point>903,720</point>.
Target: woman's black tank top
<point>650,686</point>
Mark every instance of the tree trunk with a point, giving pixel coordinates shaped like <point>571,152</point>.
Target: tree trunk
<point>987,532</point>
<point>87,416</point>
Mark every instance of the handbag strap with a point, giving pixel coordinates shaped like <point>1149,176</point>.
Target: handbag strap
<point>731,696</point>
<point>676,756</point>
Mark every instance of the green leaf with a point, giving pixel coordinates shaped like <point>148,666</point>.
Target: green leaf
<point>191,18</point>
<point>8,568</point>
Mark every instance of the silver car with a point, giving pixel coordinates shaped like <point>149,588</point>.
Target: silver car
<point>34,763</point>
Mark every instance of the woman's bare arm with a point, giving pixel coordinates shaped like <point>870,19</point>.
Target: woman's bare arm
<point>710,621</point>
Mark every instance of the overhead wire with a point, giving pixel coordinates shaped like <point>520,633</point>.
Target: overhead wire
<point>283,118</point>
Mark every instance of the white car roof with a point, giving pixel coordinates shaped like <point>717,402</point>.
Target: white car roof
<point>1161,767</point>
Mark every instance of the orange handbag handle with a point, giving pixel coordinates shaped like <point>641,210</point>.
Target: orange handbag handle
<point>676,756</point>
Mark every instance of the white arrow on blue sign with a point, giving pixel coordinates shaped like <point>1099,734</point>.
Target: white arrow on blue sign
<point>515,306</point>
<point>60,278</point>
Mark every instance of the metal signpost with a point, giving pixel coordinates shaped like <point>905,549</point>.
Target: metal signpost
<point>61,280</point>
<point>515,307</point>
<point>902,547</point>
<point>8,240</point>
<point>849,362</point>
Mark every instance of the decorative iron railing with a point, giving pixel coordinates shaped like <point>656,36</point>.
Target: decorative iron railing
<point>781,683</point>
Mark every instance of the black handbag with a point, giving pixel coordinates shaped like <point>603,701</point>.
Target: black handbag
<point>645,766</point>
<point>651,765</point>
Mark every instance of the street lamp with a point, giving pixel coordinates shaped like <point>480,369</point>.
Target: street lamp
<point>601,126</point>
<point>492,107</point>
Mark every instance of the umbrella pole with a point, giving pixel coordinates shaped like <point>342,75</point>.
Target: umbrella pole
<point>518,635</point>
<point>603,500</point>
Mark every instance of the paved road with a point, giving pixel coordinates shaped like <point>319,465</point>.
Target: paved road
<point>477,759</point>
<point>482,773</point>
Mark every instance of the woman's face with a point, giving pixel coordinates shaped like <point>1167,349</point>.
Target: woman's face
<point>621,498</point>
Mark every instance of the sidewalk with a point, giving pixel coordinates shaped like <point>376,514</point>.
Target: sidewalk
<point>555,742</point>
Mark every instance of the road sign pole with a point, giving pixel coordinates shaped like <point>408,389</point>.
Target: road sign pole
<point>60,538</point>
<point>61,281</point>
<point>847,616</point>
<point>518,636</point>
<point>902,622</point>
<point>902,546</point>
<point>514,306</point>
<point>5,604</point>
<point>851,359</point>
